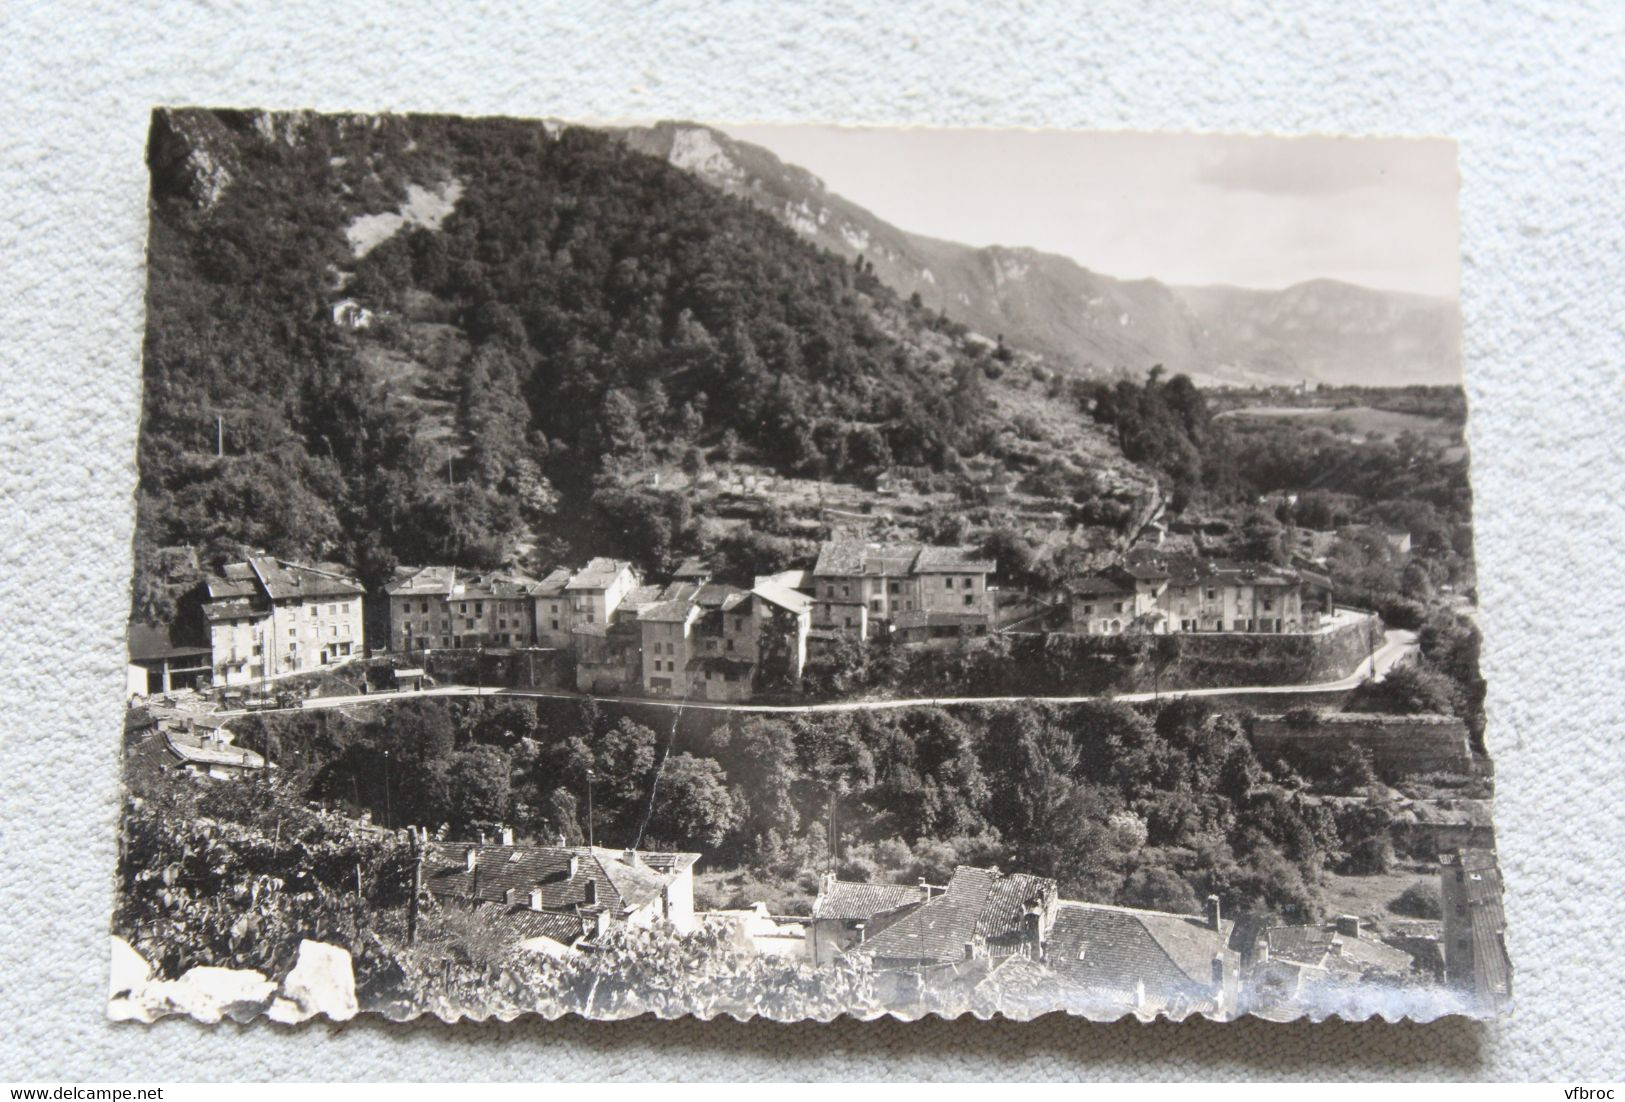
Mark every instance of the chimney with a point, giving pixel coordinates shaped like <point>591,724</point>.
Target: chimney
<point>507,836</point>
<point>589,892</point>
<point>1348,925</point>
<point>1214,917</point>
<point>471,859</point>
<point>1218,972</point>
<point>970,950</point>
<point>535,899</point>
<point>630,856</point>
<point>561,839</point>
<point>575,866</point>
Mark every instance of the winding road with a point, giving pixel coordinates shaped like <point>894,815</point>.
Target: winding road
<point>1396,647</point>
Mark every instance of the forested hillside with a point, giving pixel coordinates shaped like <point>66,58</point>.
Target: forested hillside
<point>418,339</point>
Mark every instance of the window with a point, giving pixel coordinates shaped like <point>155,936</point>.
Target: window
<point>479,608</point>
<point>970,598</point>
<point>829,591</point>
<point>502,623</point>
<point>332,631</point>
<point>875,604</point>
<point>468,623</point>
<point>462,606</point>
<point>846,591</point>
<point>895,588</point>
<point>970,583</point>
<point>293,633</point>
<point>948,583</point>
<point>730,644</point>
<point>332,610</point>
<point>555,625</point>
<point>1087,609</point>
<point>1268,604</point>
<point>314,611</point>
<point>1213,594</point>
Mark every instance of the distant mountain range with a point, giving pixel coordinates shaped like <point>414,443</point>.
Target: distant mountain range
<point>1322,330</point>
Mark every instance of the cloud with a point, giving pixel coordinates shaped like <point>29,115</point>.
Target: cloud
<point>1329,166</point>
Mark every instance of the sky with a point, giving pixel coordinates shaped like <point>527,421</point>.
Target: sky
<point>1188,209</point>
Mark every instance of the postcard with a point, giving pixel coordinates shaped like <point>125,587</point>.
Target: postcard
<point>801,571</point>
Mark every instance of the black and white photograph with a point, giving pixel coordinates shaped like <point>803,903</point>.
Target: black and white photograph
<point>622,568</point>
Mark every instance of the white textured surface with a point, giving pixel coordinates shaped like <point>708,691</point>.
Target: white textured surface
<point>1532,90</point>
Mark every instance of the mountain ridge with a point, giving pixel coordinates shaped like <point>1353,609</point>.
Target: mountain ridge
<point>1089,323</point>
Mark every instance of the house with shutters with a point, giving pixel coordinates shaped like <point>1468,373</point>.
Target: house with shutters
<point>1166,593</point>
<point>569,894</point>
<point>447,608</point>
<point>862,588</point>
<point>267,616</point>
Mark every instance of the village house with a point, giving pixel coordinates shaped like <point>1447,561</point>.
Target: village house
<point>860,588</point>
<point>202,745</point>
<point>846,913</point>
<point>552,609</point>
<point>980,913</point>
<point>1163,594</point>
<point>1146,962</point>
<point>269,617</point>
<point>568,894</point>
<point>162,661</point>
<point>720,642</point>
<point>418,618</point>
<point>595,591</point>
<point>493,610</point>
<point>1474,933</point>
<point>997,935</point>
<point>441,606</point>
<point>1299,967</point>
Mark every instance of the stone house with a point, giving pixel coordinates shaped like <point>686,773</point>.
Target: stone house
<point>571,894</point>
<point>1162,594</point>
<point>418,617</point>
<point>1146,962</point>
<point>443,607</point>
<point>846,914</point>
<point>860,588</point>
<point>267,617</point>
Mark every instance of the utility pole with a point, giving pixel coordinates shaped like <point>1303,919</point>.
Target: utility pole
<point>219,437</point>
<point>389,814</point>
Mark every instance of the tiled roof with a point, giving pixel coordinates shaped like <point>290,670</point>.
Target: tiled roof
<point>781,595</point>
<point>1321,946</point>
<point>936,560</point>
<point>194,750</point>
<point>597,574</point>
<point>1486,918</point>
<point>1113,949</point>
<point>522,923</point>
<point>552,585</point>
<point>666,612</point>
<point>852,557</point>
<point>851,901</point>
<point>1101,585</point>
<point>498,586</point>
<point>718,595</point>
<point>149,642</point>
<point>618,885</point>
<point>429,580</point>
<point>233,608</point>
<point>285,580</point>
<point>977,904</point>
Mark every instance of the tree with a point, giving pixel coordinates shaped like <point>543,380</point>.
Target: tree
<point>1159,889</point>
<point>692,806</point>
<point>477,783</point>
